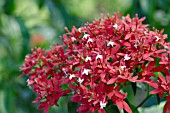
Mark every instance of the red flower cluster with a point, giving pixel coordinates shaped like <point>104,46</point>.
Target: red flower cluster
<point>97,60</point>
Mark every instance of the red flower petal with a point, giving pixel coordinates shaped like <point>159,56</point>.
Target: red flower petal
<point>126,44</point>
<point>167,107</point>
<point>112,80</point>
<point>76,98</point>
<point>162,78</point>
<point>156,91</point>
<point>115,49</point>
<point>126,107</point>
<point>119,104</point>
<point>82,108</point>
<point>168,98</point>
<point>101,111</point>
<point>120,95</point>
<point>146,55</point>
<point>110,95</point>
<point>128,36</point>
<point>149,59</point>
<point>153,84</point>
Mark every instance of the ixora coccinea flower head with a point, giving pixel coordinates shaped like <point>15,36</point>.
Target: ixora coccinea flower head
<point>97,60</point>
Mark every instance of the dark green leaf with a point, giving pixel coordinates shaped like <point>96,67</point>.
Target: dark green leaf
<point>9,102</point>
<point>134,88</point>
<point>72,107</point>
<point>26,36</point>
<point>40,3</point>
<point>157,61</point>
<point>133,108</point>
<point>110,60</point>
<point>124,111</point>
<point>112,109</point>
<point>65,86</point>
<point>9,6</point>
<point>158,99</point>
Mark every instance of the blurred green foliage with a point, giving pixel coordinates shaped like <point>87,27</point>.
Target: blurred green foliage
<point>28,23</point>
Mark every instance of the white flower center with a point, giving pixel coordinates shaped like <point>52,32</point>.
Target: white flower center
<point>88,59</point>
<point>99,57</point>
<point>86,36</point>
<point>28,80</point>
<point>80,80</point>
<point>166,47</point>
<point>145,32</point>
<point>157,38</point>
<point>79,29</point>
<point>122,67</point>
<point>126,57</point>
<point>136,45</point>
<point>64,70</point>
<point>73,39</point>
<point>102,104</point>
<point>115,26</point>
<point>110,43</point>
<point>89,40</point>
<point>71,76</point>
<point>86,71</point>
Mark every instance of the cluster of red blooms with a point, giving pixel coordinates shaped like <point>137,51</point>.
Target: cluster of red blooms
<point>96,60</point>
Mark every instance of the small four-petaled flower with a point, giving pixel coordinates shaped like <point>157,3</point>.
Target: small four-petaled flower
<point>115,26</point>
<point>87,59</point>
<point>110,43</point>
<point>86,36</point>
<point>126,57</point>
<point>99,57</point>
<point>71,76</point>
<point>102,104</point>
<point>89,40</point>
<point>80,80</point>
<point>86,71</point>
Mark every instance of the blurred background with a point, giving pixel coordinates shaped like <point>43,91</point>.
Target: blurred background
<point>28,23</point>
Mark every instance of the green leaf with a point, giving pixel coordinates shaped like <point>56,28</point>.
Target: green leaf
<point>2,103</point>
<point>134,88</point>
<point>158,99</point>
<point>133,108</point>
<point>64,86</point>
<point>9,102</point>
<point>26,36</point>
<point>40,3</point>
<point>163,4</point>
<point>141,86</point>
<point>148,8</point>
<point>9,6</point>
<point>72,106</point>
<point>157,61</point>
<point>112,109</point>
<point>110,60</point>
